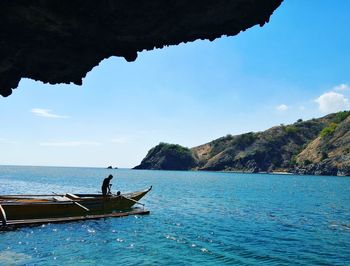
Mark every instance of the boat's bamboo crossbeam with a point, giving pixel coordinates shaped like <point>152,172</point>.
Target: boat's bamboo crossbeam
<point>3,216</point>
<point>81,206</point>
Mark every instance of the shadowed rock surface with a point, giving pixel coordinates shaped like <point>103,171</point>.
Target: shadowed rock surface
<point>317,147</point>
<point>60,41</point>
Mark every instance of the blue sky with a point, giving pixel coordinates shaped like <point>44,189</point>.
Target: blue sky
<point>296,66</point>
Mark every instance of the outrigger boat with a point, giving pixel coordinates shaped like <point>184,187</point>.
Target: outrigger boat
<point>60,207</point>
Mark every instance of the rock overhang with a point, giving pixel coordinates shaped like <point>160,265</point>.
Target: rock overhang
<point>59,42</point>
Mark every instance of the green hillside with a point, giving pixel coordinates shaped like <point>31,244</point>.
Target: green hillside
<point>317,146</point>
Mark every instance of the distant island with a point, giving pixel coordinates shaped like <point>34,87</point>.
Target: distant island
<point>314,147</point>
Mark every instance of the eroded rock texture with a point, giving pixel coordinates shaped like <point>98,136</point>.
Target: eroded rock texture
<point>60,41</point>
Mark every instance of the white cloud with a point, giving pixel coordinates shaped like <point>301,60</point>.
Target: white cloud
<point>330,102</point>
<point>46,113</point>
<point>282,108</point>
<point>341,87</point>
<point>69,143</point>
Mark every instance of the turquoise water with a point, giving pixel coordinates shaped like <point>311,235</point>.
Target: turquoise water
<point>196,218</point>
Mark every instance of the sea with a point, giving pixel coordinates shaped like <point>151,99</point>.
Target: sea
<point>196,218</point>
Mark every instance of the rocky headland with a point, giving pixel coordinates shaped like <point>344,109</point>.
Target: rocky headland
<point>168,157</point>
<point>313,147</point>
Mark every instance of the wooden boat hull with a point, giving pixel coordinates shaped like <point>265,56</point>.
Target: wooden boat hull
<point>83,204</point>
<point>14,224</point>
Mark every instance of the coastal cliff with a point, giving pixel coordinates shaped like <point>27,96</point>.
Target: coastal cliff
<point>316,147</point>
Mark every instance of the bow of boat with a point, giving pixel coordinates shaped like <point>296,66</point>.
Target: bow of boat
<point>138,195</point>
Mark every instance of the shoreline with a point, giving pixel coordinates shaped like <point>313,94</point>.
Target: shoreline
<point>190,170</point>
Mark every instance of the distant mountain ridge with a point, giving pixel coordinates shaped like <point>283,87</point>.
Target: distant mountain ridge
<point>316,147</point>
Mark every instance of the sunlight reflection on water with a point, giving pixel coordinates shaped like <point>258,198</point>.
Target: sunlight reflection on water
<point>196,217</point>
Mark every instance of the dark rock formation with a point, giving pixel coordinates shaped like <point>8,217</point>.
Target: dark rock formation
<point>168,157</point>
<point>316,147</point>
<point>60,41</point>
<point>321,168</point>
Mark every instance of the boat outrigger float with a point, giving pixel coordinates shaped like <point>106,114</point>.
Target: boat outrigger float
<point>23,210</point>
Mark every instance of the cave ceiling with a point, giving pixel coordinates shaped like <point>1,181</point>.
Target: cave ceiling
<point>60,41</point>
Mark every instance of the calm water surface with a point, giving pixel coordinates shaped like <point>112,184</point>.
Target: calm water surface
<point>196,218</point>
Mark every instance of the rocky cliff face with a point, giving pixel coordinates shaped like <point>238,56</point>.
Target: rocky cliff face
<point>317,146</point>
<point>60,41</point>
<point>329,153</point>
<point>265,151</point>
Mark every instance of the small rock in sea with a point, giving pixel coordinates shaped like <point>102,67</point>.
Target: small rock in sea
<point>110,167</point>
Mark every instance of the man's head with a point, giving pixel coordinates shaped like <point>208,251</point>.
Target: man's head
<point>110,177</point>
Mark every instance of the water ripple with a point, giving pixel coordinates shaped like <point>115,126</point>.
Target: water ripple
<point>196,218</point>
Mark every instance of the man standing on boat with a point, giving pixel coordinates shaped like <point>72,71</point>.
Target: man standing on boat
<point>106,186</point>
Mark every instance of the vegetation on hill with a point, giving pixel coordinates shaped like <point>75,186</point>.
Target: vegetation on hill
<point>329,153</point>
<point>317,146</point>
<point>168,157</point>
